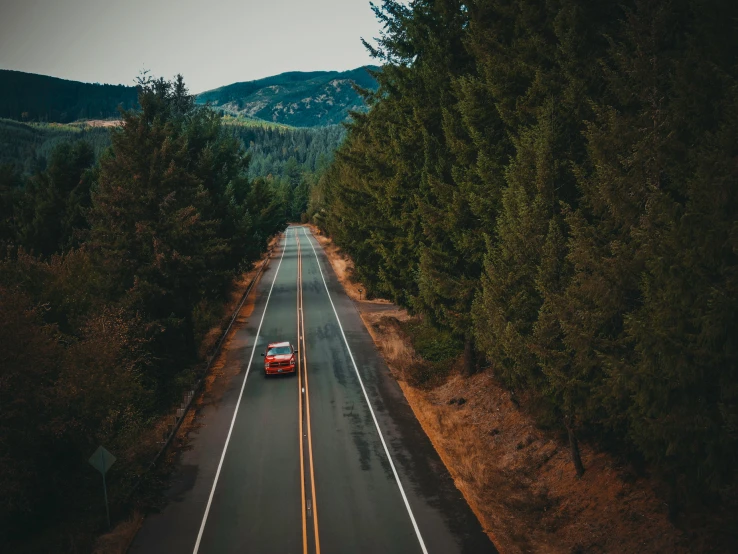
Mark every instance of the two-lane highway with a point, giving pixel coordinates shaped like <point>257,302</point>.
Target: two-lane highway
<point>331,460</point>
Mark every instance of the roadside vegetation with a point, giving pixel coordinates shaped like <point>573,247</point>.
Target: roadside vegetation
<point>554,186</point>
<point>514,472</point>
<point>112,271</point>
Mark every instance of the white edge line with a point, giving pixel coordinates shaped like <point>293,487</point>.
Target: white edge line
<point>235,413</point>
<point>366,397</point>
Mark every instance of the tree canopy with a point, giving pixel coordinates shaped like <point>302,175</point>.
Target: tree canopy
<point>111,274</point>
<point>554,183</point>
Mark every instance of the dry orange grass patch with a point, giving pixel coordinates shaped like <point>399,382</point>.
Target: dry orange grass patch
<point>103,122</point>
<point>120,538</point>
<point>521,483</point>
<point>384,329</point>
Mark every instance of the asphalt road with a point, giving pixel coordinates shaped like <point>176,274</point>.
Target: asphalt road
<point>330,460</point>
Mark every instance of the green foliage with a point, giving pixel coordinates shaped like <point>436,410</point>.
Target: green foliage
<point>54,203</point>
<point>110,276</point>
<point>431,343</point>
<point>63,395</point>
<point>30,97</point>
<point>290,158</point>
<point>29,145</point>
<point>173,215</point>
<point>555,182</point>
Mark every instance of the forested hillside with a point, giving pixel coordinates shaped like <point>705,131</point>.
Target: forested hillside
<point>555,184</point>
<point>280,151</point>
<point>289,158</point>
<point>30,97</point>
<point>28,146</point>
<point>111,273</point>
<point>301,99</point>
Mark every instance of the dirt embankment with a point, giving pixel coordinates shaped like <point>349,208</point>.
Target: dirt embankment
<point>518,479</point>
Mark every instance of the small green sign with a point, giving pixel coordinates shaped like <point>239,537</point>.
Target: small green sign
<point>101,460</point>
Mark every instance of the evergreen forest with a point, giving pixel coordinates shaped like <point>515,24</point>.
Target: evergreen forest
<point>290,159</point>
<point>555,184</point>
<point>31,97</point>
<point>113,268</point>
<point>551,183</point>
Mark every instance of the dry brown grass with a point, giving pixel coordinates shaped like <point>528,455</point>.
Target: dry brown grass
<point>103,122</point>
<point>384,329</point>
<point>521,484</point>
<point>120,538</point>
<point>519,480</point>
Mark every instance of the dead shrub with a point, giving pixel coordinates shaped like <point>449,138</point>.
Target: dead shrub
<point>120,538</point>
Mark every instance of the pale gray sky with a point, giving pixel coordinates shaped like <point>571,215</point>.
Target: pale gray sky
<point>211,42</point>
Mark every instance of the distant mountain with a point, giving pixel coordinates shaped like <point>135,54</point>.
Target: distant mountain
<point>300,99</point>
<point>31,97</point>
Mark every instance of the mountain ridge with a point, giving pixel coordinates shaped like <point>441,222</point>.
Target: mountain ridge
<point>34,97</point>
<point>297,98</point>
<point>294,98</point>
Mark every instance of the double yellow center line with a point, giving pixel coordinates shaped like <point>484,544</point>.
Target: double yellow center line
<point>309,503</point>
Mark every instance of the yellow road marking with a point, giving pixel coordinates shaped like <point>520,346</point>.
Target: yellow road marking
<point>301,337</point>
<point>299,401</point>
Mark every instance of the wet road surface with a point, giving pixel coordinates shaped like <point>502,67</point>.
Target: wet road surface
<point>330,460</point>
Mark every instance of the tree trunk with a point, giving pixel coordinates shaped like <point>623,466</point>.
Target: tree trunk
<point>470,357</point>
<point>672,498</point>
<point>576,458</point>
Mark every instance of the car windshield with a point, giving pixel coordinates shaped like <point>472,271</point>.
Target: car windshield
<point>279,350</point>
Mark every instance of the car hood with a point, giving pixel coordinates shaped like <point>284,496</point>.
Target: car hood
<point>280,358</point>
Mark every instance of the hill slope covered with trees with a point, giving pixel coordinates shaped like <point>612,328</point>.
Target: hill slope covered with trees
<point>31,97</point>
<point>301,99</point>
<point>555,184</point>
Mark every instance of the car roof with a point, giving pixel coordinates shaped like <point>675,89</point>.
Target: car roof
<point>274,344</point>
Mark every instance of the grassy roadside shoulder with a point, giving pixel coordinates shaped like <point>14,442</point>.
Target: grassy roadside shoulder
<point>517,478</point>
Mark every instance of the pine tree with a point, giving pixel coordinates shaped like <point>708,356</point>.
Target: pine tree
<point>509,302</point>
<point>54,203</point>
<point>159,212</point>
<point>683,378</point>
<point>10,191</point>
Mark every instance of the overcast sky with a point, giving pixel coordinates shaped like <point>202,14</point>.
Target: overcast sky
<point>211,42</point>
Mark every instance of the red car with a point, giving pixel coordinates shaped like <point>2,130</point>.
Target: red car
<point>280,357</point>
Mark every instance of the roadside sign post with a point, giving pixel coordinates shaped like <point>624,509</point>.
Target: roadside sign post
<point>101,460</point>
